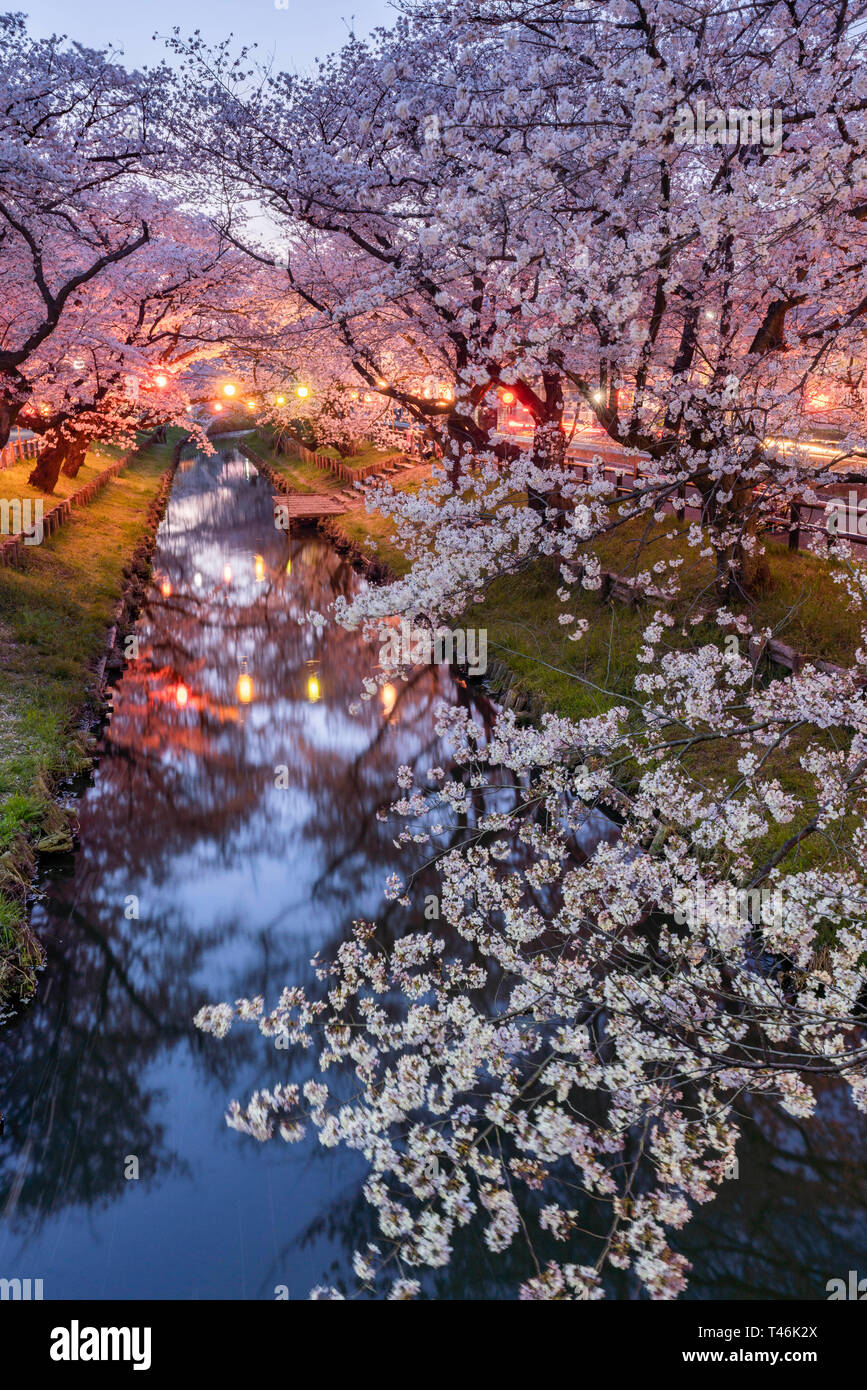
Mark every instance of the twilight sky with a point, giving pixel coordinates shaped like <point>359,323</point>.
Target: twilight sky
<point>307,29</point>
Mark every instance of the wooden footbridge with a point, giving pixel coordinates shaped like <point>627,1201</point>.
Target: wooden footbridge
<point>304,506</point>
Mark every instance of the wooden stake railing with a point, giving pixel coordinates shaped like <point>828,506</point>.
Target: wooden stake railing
<point>14,548</point>
<point>292,446</point>
<point>18,449</point>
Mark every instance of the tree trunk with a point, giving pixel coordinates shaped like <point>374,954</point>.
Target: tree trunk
<point>48,464</point>
<point>549,451</point>
<point>75,458</point>
<point>8,415</point>
<point>747,572</point>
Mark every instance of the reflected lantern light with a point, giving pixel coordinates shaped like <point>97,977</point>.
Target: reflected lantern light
<point>182,696</point>
<point>314,689</point>
<point>244,688</point>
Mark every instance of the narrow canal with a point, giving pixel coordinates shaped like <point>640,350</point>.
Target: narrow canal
<point>198,878</point>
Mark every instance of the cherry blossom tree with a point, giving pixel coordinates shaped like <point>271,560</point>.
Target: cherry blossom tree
<point>126,358</point>
<point>78,138</point>
<point>513,195</point>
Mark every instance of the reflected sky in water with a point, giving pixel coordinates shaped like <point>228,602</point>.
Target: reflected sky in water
<point>238,882</point>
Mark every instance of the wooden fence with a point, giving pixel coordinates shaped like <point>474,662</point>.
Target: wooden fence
<point>289,445</point>
<point>18,449</point>
<point>798,523</point>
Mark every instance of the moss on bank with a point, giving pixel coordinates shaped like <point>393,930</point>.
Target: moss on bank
<point>54,614</point>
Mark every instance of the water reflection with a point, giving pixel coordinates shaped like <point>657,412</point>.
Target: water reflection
<point>230,832</point>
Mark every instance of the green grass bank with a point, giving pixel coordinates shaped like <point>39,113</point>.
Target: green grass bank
<point>55,611</point>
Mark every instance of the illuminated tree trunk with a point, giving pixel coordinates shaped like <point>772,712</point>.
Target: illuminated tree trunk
<point>48,465</point>
<point>75,456</point>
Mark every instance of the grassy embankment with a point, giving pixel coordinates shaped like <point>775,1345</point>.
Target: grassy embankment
<point>54,614</point>
<point>801,605</point>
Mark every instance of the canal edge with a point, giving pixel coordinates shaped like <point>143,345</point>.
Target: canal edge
<point>52,830</point>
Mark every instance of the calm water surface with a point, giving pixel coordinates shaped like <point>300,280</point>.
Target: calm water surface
<point>238,883</point>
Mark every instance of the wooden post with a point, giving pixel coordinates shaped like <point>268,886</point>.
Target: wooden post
<point>794,526</point>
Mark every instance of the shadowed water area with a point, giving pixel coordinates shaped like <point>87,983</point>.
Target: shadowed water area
<point>236,883</point>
